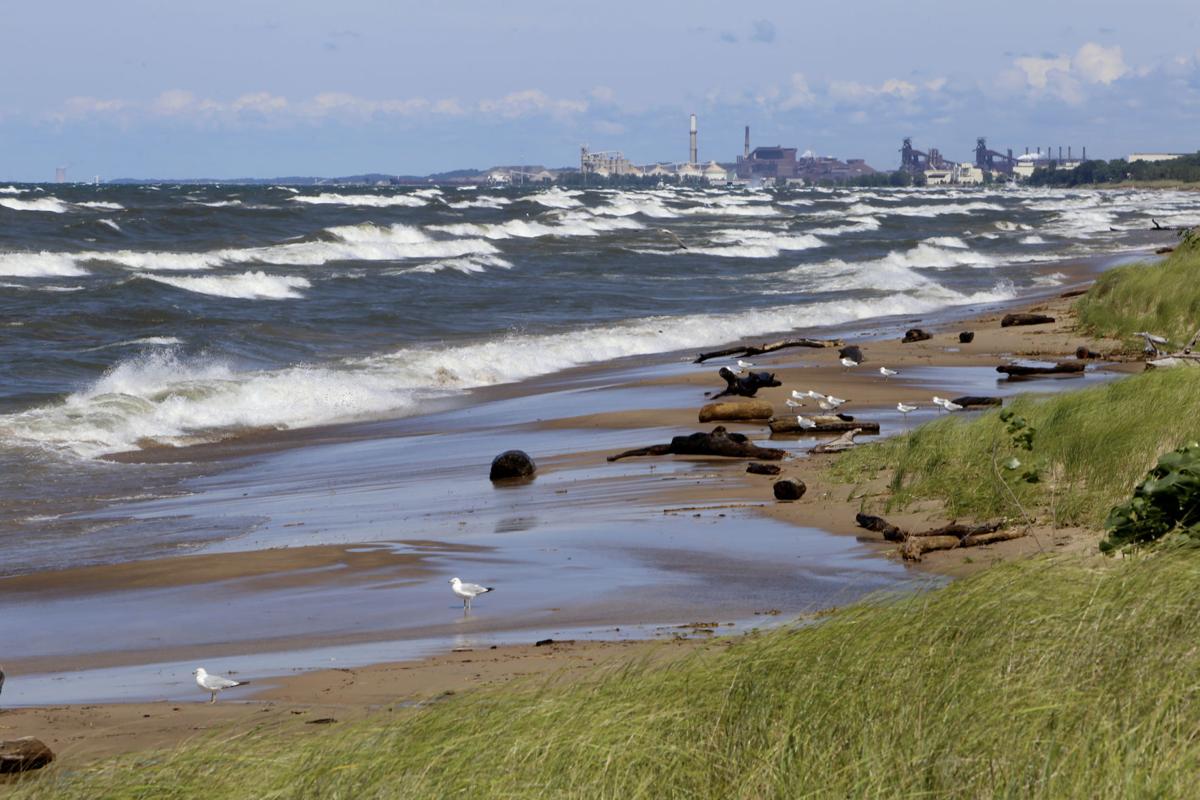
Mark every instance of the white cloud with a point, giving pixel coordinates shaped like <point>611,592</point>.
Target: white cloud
<point>800,94</point>
<point>530,101</point>
<point>1037,70</point>
<point>260,103</point>
<point>1098,64</point>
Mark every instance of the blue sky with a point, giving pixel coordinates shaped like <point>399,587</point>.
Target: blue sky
<point>131,88</point>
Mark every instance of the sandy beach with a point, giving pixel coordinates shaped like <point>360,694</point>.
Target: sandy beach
<point>698,546</point>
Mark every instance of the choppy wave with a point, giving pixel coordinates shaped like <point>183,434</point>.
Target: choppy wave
<point>103,205</point>
<point>557,198</point>
<point>163,398</point>
<point>49,204</point>
<point>370,200</point>
<point>246,286</point>
<point>39,265</point>
<point>532,229</point>
<point>483,201</point>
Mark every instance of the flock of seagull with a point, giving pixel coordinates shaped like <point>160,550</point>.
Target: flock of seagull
<point>830,404</point>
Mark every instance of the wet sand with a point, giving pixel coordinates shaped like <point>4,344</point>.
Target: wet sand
<point>353,534</point>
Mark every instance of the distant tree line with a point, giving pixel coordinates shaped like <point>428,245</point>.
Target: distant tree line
<point>592,180</point>
<point>879,180</point>
<point>1185,169</point>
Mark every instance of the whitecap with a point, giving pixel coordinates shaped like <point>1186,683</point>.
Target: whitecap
<point>39,265</point>
<point>370,200</point>
<point>49,204</point>
<point>246,286</point>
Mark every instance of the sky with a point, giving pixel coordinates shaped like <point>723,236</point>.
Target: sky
<point>245,88</point>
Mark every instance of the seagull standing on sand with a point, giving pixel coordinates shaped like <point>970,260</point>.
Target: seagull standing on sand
<point>949,405</point>
<point>468,591</point>
<point>887,373</point>
<point>805,423</point>
<point>790,403</point>
<point>214,683</point>
<point>905,410</point>
<point>799,395</point>
<point>744,365</point>
<point>849,363</point>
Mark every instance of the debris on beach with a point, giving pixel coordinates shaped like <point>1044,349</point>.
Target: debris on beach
<point>1024,318</point>
<point>733,411</point>
<point>747,350</point>
<point>789,489</point>
<point>746,385</point>
<point>23,755</point>
<point>914,544</point>
<point>719,442</point>
<point>915,335</point>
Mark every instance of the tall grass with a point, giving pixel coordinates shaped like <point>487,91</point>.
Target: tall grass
<point>1094,445</point>
<point>1162,298</point>
<point>1038,679</point>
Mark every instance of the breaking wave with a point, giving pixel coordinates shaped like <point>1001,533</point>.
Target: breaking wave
<point>50,204</point>
<point>246,286</point>
<point>370,200</point>
<point>39,265</point>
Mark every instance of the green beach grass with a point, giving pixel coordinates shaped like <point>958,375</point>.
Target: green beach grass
<point>1040,678</point>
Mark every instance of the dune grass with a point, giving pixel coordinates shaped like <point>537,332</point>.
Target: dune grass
<point>1092,445</point>
<point>1035,679</point>
<point>1162,298</point>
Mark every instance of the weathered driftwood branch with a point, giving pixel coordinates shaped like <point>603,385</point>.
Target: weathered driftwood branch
<point>745,385</point>
<point>767,347</point>
<point>1083,353</point>
<point>916,546</point>
<point>913,544</point>
<point>734,411</point>
<point>843,442</point>
<point>1074,293</point>
<point>1024,319</point>
<point>969,400</point>
<point>1022,371</point>
<point>717,443</point>
<point>824,424</point>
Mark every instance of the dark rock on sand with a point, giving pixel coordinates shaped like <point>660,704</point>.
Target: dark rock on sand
<point>22,755</point>
<point>789,489</point>
<point>512,464</point>
<point>915,335</point>
<point>763,469</point>
<point>853,352</point>
<point>966,337</point>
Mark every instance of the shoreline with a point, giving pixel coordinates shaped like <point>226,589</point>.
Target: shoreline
<point>923,365</point>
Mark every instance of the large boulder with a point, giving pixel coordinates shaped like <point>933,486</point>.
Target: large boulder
<point>789,489</point>
<point>512,464</point>
<point>22,755</point>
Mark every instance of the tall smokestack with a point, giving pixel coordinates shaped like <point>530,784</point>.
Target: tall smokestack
<point>1068,152</point>
<point>692,156</point>
<point>1085,152</point>
<point>746,147</point>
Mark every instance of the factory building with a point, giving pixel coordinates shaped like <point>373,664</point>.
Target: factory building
<point>767,163</point>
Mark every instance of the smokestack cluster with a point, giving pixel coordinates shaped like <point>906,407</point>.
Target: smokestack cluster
<point>692,154</point>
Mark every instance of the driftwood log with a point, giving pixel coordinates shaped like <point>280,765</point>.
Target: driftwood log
<point>1074,293</point>
<point>719,442</point>
<point>914,544</point>
<point>969,400</point>
<point>843,442</point>
<point>824,424</point>
<point>1022,371</point>
<point>745,385</point>
<point>915,335</point>
<point>763,469</point>
<point>1024,319</point>
<point>733,411</point>
<point>1083,353</point>
<point>767,347</point>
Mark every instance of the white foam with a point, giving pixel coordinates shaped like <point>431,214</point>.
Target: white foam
<point>246,286</point>
<point>102,205</point>
<point>855,225</point>
<point>747,243</point>
<point>946,241</point>
<point>50,204</point>
<point>626,205</point>
<point>10,190</point>
<point>218,203</point>
<point>110,223</point>
<point>370,200</point>
<point>1052,279</point>
<point>39,265</point>
<point>557,198</point>
<point>1033,238</point>
<point>465,264</point>
<point>569,225</point>
<point>483,201</point>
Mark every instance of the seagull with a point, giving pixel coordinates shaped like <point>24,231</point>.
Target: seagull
<point>905,410</point>
<point>814,395</point>
<point>887,373</point>
<point>793,403</point>
<point>744,365</point>
<point>673,237</point>
<point>214,683</point>
<point>834,401</point>
<point>805,423</point>
<point>949,405</point>
<point>826,405</point>
<point>849,363</point>
<point>798,395</point>
<point>467,591</point>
